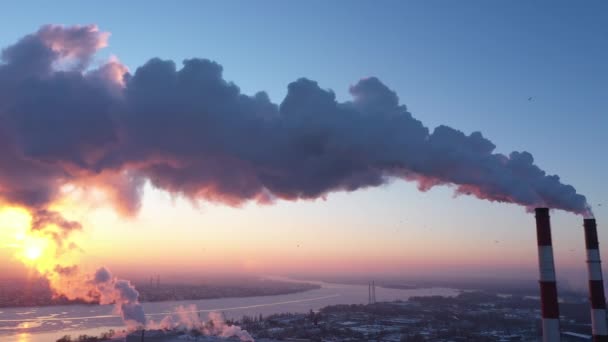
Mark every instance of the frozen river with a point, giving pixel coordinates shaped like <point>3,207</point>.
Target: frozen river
<point>47,324</point>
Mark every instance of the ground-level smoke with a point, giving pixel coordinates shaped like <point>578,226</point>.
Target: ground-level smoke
<point>188,319</point>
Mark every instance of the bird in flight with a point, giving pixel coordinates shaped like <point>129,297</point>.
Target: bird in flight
<point>530,98</point>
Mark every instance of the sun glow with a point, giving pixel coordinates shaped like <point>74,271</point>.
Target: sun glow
<point>34,250</point>
<point>37,249</point>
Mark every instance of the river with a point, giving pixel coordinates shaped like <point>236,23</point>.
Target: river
<point>47,324</point>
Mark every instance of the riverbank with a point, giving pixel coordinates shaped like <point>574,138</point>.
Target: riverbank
<point>38,294</point>
<point>41,324</point>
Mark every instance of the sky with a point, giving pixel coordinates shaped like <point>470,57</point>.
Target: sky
<point>471,65</point>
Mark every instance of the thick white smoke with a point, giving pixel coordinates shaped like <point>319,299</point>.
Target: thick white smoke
<point>186,318</point>
<point>122,294</point>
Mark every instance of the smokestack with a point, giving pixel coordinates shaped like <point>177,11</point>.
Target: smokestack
<point>548,287</point>
<point>596,282</point>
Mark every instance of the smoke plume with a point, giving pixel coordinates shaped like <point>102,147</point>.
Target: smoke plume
<point>110,290</point>
<point>192,133</point>
<point>186,318</point>
<point>100,287</point>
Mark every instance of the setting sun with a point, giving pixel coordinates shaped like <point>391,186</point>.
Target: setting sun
<point>33,252</point>
<point>35,248</point>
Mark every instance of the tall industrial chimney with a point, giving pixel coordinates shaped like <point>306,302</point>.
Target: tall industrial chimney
<point>548,287</point>
<point>596,283</point>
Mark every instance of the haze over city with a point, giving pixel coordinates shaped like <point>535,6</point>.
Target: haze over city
<point>320,141</point>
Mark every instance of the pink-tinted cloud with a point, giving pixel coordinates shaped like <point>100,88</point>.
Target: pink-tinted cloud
<point>192,133</point>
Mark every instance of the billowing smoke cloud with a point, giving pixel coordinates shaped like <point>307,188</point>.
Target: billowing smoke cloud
<point>122,294</point>
<point>187,318</point>
<point>100,287</point>
<point>192,133</point>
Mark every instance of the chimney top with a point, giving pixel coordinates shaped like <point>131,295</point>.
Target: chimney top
<point>589,222</point>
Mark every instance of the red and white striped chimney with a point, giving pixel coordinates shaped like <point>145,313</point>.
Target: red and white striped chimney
<point>548,287</point>
<point>596,283</point>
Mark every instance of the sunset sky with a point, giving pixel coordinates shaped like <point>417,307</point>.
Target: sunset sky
<point>471,66</point>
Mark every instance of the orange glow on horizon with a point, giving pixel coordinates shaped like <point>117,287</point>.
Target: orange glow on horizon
<point>38,250</point>
<point>169,236</point>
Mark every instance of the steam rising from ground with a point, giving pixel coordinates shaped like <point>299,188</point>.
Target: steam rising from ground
<point>188,131</point>
<point>186,318</point>
<point>102,287</point>
<point>120,293</point>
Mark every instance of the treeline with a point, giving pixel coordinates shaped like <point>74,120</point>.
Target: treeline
<point>106,336</point>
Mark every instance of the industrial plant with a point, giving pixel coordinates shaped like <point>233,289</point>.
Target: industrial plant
<point>548,286</point>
